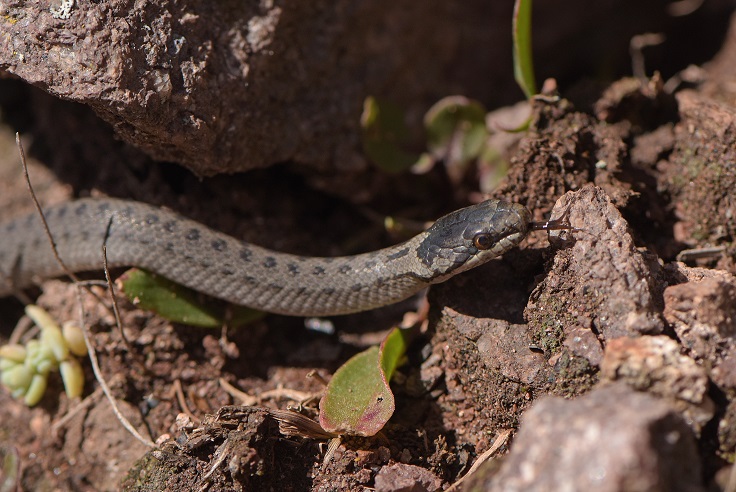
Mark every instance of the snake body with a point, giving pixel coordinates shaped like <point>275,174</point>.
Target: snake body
<point>221,266</point>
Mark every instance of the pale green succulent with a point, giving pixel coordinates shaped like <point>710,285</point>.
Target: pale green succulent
<point>24,370</point>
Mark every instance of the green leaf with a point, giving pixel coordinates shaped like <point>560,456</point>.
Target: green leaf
<point>456,129</point>
<point>393,349</point>
<point>522,33</point>
<point>179,304</point>
<point>358,401</point>
<point>385,135</point>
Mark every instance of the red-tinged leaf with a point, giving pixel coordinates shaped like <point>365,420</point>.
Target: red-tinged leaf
<point>358,401</point>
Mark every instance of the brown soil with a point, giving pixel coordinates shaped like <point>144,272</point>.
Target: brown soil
<point>643,174</point>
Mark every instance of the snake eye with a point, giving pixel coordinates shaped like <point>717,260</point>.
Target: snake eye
<point>483,241</point>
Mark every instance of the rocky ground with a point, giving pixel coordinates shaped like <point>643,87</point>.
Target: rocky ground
<point>602,358</point>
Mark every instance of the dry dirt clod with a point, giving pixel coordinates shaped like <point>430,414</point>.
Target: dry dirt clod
<point>229,450</point>
<point>487,357</point>
<point>613,439</point>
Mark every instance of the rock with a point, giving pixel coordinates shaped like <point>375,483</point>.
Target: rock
<point>655,365</point>
<point>702,310</point>
<point>401,477</point>
<point>600,281</point>
<point>490,370</point>
<point>612,439</point>
<point>700,170</point>
<point>505,348</point>
<point>225,87</point>
<point>727,429</point>
<point>679,273</point>
<point>703,314</point>
<point>583,343</point>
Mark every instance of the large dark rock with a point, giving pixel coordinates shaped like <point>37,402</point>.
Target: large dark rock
<point>231,86</point>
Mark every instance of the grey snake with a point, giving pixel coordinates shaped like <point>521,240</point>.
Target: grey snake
<point>221,266</point>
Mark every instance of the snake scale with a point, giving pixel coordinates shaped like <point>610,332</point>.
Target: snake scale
<point>221,266</point>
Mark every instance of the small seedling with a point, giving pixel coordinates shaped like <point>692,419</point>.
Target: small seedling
<point>455,126</point>
<point>522,34</point>
<point>386,136</point>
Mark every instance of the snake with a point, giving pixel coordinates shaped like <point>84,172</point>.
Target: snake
<point>191,254</point>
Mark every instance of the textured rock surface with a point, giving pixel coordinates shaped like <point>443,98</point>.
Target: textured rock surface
<point>600,280</point>
<point>703,314</point>
<point>655,365</point>
<point>612,439</point>
<point>505,348</point>
<point>401,477</point>
<point>229,86</point>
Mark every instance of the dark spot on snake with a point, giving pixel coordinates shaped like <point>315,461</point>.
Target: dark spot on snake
<point>328,291</point>
<point>151,219</point>
<point>84,235</point>
<point>127,211</point>
<point>36,243</point>
<point>193,235</point>
<point>170,226</point>
<point>10,227</point>
<point>345,269</point>
<point>81,209</point>
<point>245,254</point>
<point>64,237</point>
<point>398,254</point>
<point>189,258</point>
<point>270,262</point>
<point>227,271</point>
<point>370,264</point>
<point>219,245</point>
<point>102,207</point>
<point>61,211</point>
<point>318,270</point>
<point>251,280</point>
<point>380,282</point>
<point>302,258</point>
<point>169,247</point>
<point>145,240</point>
<point>356,287</point>
<point>30,218</point>
<point>204,263</point>
<point>328,259</point>
<point>300,291</point>
<point>275,288</point>
<point>293,269</point>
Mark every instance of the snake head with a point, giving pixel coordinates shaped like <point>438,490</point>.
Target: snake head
<point>472,236</point>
